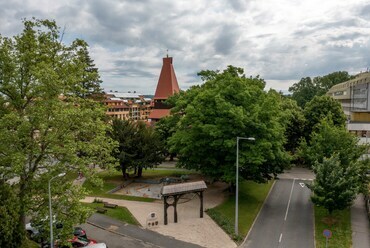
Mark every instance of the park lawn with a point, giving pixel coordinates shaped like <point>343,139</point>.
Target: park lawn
<point>29,244</point>
<point>110,183</point>
<point>112,179</point>
<point>118,213</point>
<point>339,224</point>
<point>251,198</point>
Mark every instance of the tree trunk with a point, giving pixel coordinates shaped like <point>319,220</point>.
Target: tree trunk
<point>123,168</point>
<point>22,209</point>
<point>140,171</point>
<point>172,155</point>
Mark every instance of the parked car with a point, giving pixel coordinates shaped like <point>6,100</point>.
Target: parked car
<point>98,245</point>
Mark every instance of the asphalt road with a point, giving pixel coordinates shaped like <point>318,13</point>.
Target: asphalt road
<point>286,219</point>
<point>117,234</point>
<point>112,240</point>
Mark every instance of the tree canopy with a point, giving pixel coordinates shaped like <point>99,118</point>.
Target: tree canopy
<point>336,185</point>
<point>321,107</point>
<point>46,127</point>
<point>11,230</point>
<point>139,145</point>
<point>328,139</point>
<point>306,89</point>
<point>226,106</point>
<point>89,84</point>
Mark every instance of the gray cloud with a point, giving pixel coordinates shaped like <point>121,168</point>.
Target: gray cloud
<point>226,39</point>
<point>129,38</point>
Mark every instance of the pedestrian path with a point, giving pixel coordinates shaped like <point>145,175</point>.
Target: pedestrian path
<point>360,224</point>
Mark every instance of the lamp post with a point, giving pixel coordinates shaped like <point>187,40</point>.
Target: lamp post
<point>51,212</point>
<point>237,181</point>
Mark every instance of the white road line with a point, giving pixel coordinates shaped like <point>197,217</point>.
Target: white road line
<point>281,236</point>
<point>290,196</point>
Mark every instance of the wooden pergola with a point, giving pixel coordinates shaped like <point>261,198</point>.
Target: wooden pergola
<point>172,193</point>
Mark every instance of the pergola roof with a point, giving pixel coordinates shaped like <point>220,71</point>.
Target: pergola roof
<point>183,188</point>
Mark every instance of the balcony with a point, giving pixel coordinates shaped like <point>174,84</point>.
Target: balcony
<point>358,126</point>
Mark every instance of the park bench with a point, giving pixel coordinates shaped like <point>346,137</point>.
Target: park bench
<point>109,205</point>
<point>101,210</point>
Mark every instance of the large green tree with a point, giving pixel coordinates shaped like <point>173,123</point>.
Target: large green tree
<point>336,185</point>
<point>293,119</point>
<point>46,128</point>
<point>166,127</point>
<point>306,89</point>
<point>328,139</point>
<point>321,107</point>
<point>139,145</point>
<point>226,106</point>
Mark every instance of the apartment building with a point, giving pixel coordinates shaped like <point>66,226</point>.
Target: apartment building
<point>354,96</point>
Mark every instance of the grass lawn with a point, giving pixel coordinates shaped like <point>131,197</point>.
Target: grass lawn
<point>29,244</point>
<point>251,198</point>
<point>339,224</point>
<point>118,213</point>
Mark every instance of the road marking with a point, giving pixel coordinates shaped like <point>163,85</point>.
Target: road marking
<point>302,185</point>
<point>281,236</point>
<point>290,197</point>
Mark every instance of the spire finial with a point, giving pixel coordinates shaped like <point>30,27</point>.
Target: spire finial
<point>167,53</point>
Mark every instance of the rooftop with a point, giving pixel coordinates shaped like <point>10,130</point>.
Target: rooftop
<point>183,188</point>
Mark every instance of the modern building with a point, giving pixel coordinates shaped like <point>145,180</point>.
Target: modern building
<point>354,96</point>
<point>167,86</point>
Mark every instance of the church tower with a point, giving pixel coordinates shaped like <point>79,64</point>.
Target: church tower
<point>167,86</point>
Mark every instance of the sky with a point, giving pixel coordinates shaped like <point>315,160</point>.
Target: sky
<point>280,40</point>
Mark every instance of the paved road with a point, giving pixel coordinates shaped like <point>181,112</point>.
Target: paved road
<point>286,219</point>
<point>112,240</point>
<point>117,234</point>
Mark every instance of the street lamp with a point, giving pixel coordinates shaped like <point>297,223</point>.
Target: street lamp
<point>237,181</point>
<point>50,211</point>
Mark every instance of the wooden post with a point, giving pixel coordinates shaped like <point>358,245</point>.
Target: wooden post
<point>201,203</point>
<point>175,208</point>
<point>165,209</point>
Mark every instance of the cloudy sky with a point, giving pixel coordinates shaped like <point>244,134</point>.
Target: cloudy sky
<point>280,40</point>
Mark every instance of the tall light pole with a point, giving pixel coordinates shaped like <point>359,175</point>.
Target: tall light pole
<point>51,212</point>
<point>237,182</point>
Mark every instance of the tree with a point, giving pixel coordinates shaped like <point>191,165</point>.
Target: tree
<point>11,231</point>
<point>228,105</point>
<point>139,145</point>
<point>166,127</point>
<point>328,139</point>
<point>293,119</point>
<point>336,185</point>
<point>321,107</point>
<point>45,127</point>
<point>303,91</point>
<point>306,89</point>
<point>89,86</point>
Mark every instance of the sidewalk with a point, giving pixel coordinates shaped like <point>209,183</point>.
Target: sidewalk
<point>360,224</point>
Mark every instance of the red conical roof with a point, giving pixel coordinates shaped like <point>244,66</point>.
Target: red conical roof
<point>167,83</point>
